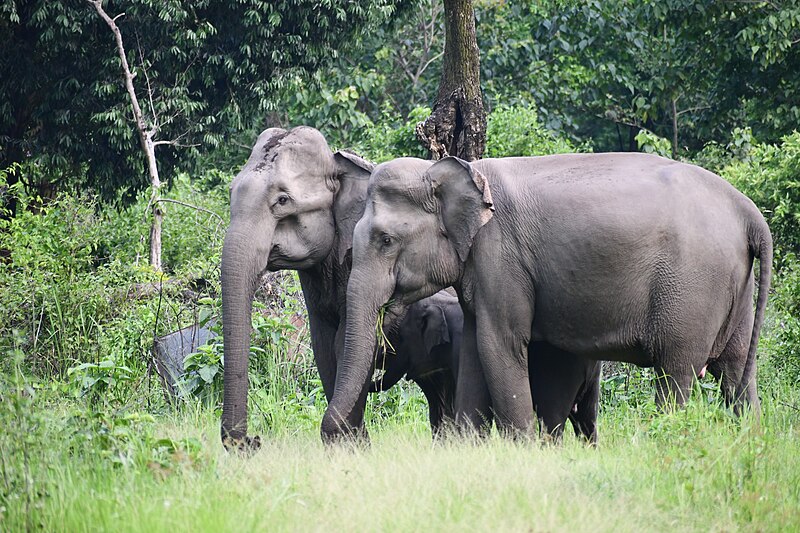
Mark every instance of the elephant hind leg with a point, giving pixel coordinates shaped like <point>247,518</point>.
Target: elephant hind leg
<point>676,369</point>
<point>729,367</point>
<point>673,385</point>
<point>584,416</point>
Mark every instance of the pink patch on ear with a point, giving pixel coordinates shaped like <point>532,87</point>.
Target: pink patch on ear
<point>703,372</point>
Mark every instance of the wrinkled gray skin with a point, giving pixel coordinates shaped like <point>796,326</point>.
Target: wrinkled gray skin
<point>293,206</point>
<point>427,343</point>
<point>627,257</point>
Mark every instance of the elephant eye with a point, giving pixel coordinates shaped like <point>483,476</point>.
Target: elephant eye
<point>386,240</point>
<point>282,199</point>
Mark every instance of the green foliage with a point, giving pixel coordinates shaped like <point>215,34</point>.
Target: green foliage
<point>771,178</point>
<point>97,380</point>
<point>204,70</point>
<point>716,156</point>
<point>650,143</point>
<point>74,292</point>
<point>392,137</point>
<point>336,108</point>
<point>781,340</point>
<point>516,131</point>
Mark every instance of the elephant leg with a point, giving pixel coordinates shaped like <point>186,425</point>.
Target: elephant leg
<point>472,400</point>
<point>673,386</point>
<point>729,367</point>
<point>675,371</point>
<point>556,378</point>
<point>438,390</point>
<point>584,416</point>
<point>503,335</point>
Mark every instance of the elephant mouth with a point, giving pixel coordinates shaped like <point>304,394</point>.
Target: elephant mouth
<point>281,262</point>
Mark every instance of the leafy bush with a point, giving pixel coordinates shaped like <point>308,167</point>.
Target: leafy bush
<point>77,291</point>
<point>393,137</point>
<point>771,178</point>
<point>335,107</point>
<point>782,339</point>
<point>650,143</point>
<point>715,156</point>
<point>516,131</point>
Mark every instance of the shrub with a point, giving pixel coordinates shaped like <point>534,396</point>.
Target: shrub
<point>393,137</point>
<point>516,131</point>
<point>771,178</point>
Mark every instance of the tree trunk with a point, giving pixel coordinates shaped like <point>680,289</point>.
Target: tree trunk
<point>674,103</point>
<point>146,135</point>
<point>457,125</point>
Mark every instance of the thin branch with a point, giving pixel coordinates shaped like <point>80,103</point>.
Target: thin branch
<point>174,142</point>
<point>431,60</point>
<point>691,109</point>
<point>137,110</point>
<point>195,207</point>
<point>147,81</point>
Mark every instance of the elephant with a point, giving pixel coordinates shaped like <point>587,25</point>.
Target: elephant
<point>294,205</point>
<point>427,344</point>
<point>619,256</point>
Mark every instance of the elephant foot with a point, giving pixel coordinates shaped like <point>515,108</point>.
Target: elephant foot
<point>245,445</point>
<point>343,434</point>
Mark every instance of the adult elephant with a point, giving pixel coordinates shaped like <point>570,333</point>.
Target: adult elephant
<point>629,257</point>
<point>293,206</point>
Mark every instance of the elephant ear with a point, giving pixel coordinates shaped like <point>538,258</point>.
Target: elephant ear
<point>352,173</point>
<point>434,329</point>
<point>465,200</point>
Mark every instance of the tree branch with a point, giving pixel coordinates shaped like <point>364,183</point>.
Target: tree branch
<point>195,207</point>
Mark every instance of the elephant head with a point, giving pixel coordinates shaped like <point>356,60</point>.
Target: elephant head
<point>413,240</point>
<point>292,205</point>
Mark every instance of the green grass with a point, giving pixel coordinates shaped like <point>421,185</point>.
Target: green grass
<point>696,469</point>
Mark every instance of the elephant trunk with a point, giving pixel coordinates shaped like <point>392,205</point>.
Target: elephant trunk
<point>243,260</point>
<point>364,301</point>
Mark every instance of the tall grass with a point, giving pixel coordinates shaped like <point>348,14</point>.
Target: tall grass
<point>695,469</point>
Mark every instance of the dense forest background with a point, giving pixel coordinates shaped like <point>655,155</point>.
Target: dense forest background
<point>712,83</point>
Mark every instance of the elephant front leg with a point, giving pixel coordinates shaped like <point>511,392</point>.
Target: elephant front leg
<point>503,351</point>
<point>472,401</point>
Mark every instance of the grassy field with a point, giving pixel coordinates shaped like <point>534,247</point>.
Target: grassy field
<point>697,469</point>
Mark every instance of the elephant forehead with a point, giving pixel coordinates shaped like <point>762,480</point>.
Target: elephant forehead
<point>406,194</point>
<point>401,179</point>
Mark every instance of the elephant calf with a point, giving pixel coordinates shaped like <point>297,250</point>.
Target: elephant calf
<point>426,347</point>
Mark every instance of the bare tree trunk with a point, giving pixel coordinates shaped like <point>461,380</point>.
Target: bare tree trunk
<point>457,125</point>
<point>145,137</point>
<point>674,103</point>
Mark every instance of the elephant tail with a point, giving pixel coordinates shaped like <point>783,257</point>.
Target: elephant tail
<point>761,247</point>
